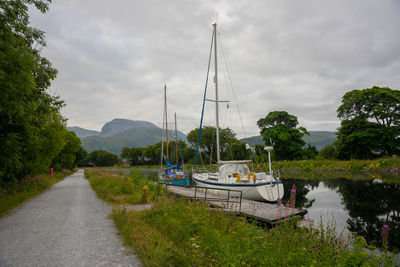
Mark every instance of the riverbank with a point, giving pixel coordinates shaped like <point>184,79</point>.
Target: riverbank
<point>383,165</point>
<point>13,194</point>
<point>184,233</point>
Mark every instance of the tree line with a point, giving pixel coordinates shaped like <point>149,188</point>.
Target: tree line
<point>370,128</point>
<point>33,134</point>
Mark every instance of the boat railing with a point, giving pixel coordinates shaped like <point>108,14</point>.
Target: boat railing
<point>207,194</point>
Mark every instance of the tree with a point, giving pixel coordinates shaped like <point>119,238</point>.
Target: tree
<point>327,152</point>
<point>379,104</point>
<point>280,128</point>
<point>100,158</point>
<point>237,151</point>
<point>361,139</point>
<point>133,155</point>
<point>208,141</point>
<point>370,124</point>
<point>32,129</point>
<point>70,155</point>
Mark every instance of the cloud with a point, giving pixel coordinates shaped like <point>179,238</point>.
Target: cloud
<point>114,57</point>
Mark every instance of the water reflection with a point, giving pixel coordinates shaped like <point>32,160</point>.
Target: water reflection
<point>356,205</point>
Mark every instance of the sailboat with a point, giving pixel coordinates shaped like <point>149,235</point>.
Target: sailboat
<point>172,174</point>
<point>235,174</point>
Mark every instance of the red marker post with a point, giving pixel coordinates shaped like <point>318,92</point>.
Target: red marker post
<point>51,172</point>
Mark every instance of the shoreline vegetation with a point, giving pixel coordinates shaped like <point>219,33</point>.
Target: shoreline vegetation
<point>13,194</point>
<point>179,232</point>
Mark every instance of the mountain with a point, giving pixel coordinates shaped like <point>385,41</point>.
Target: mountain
<point>134,137</point>
<point>319,139</point>
<point>120,133</point>
<point>119,125</point>
<point>82,133</point>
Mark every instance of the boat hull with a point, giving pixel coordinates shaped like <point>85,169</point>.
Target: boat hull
<point>184,182</point>
<point>266,191</point>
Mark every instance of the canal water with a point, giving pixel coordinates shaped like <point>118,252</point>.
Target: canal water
<point>359,205</point>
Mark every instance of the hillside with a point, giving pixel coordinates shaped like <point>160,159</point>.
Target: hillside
<point>319,139</point>
<point>82,133</point>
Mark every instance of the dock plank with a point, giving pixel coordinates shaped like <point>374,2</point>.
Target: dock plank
<point>262,211</point>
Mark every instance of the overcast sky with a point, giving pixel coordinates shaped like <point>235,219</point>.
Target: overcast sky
<point>114,57</point>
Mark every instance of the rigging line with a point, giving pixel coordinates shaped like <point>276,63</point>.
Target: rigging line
<point>204,98</point>
<point>230,81</point>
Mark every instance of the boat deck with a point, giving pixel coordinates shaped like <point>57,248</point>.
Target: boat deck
<point>261,211</point>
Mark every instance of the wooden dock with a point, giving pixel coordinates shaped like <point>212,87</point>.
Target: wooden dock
<point>261,211</point>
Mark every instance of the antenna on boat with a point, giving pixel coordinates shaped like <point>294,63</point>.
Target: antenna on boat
<point>269,149</point>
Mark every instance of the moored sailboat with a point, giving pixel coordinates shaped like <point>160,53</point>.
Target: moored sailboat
<point>235,174</point>
<point>172,174</point>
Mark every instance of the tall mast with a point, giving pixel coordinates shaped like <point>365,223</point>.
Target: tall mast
<point>216,90</point>
<point>166,116</point>
<point>176,141</point>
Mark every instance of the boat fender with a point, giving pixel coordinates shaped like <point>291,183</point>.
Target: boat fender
<point>237,176</point>
<point>250,175</point>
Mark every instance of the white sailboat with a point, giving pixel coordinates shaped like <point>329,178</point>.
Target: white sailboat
<point>236,175</point>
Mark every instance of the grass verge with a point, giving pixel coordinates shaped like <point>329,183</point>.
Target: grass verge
<point>184,233</point>
<point>120,188</point>
<point>13,194</point>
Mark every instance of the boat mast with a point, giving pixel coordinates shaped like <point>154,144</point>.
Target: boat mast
<point>176,141</point>
<point>216,90</point>
<point>166,116</point>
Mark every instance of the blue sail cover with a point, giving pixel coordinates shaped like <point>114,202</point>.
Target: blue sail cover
<point>177,166</point>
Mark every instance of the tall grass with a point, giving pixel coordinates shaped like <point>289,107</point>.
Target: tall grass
<point>14,193</point>
<point>184,233</point>
<point>337,165</point>
<point>120,188</point>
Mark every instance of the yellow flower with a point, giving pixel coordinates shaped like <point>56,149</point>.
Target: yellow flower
<point>146,188</point>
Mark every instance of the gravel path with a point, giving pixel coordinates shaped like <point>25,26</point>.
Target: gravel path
<point>65,226</point>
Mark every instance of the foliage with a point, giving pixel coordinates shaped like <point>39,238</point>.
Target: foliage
<point>14,193</point>
<point>361,139</point>
<point>383,164</point>
<point>100,158</point>
<point>208,141</point>
<point>183,233</point>
<point>117,188</point>
<point>380,104</point>
<point>133,155</point>
<point>70,155</point>
<point>310,152</point>
<point>327,152</point>
<point>370,123</point>
<point>237,151</point>
<point>280,128</point>
<point>32,130</point>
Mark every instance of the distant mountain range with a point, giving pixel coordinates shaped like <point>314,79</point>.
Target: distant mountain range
<point>319,139</point>
<point>120,133</point>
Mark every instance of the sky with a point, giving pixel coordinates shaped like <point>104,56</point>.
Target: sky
<point>114,58</point>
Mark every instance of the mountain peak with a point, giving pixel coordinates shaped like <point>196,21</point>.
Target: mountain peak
<point>119,125</point>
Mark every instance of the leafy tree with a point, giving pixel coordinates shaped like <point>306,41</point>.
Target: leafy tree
<point>208,141</point>
<point>379,104</point>
<point>361,139</point>
<point>100,158</point>
<point>134,155</point>
<point>32,129</point>
<point>237,151</point>
<point>310,152</point>
<point>370,124</point>
<point>70,155</point>
<point>327,152</point>
<point>280,128</point>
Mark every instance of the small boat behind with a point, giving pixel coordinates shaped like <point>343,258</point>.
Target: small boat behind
<point>173,174</point>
